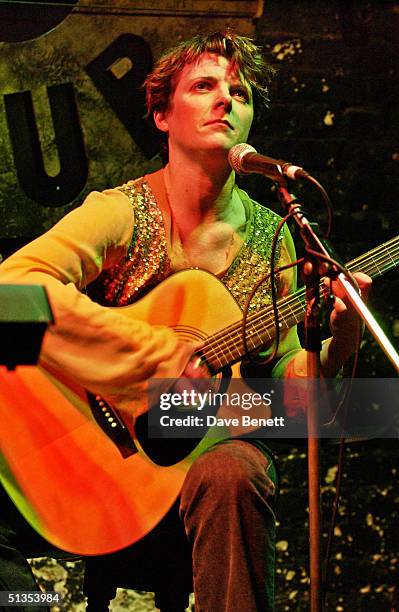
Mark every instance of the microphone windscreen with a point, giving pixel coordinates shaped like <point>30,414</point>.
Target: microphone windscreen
<point>236,155</point>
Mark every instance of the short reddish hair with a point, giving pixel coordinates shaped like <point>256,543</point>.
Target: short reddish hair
<point>241,50</point>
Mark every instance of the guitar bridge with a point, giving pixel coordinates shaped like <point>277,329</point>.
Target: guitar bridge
<point>112,425</point>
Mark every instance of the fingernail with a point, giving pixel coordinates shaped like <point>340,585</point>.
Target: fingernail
<point>197,362</point>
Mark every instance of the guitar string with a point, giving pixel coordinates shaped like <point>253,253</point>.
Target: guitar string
<point>377,250</point>
<point>283,311</point>
<point>301,292</point>
<point>258,323</point>
<point>262,328</point>
<point>288,312</point>
<point>298,296</point>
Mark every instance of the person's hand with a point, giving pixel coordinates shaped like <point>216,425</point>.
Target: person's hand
<point>345,323</point>
<point>196,368</point>
<point>181,360</point>
<point>185,374</point>
<point>195,377</point>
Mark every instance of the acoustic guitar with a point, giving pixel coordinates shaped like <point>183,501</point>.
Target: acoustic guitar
<point>70,463</point>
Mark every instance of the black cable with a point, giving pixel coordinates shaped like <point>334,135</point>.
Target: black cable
<point>274,271</point>
<point>327,202</point>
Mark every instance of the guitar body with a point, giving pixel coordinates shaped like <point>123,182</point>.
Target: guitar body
<point>195,303</point>
<point>64,474</point>
<point>59,462</point>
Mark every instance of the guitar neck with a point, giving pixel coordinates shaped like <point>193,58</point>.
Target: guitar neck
<point>227,346</point>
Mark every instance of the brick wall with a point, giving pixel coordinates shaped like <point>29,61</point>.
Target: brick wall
<point>334,111</point>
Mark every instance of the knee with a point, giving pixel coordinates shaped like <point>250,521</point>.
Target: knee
<point>230,471</point>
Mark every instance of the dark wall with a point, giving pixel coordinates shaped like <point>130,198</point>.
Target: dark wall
<point>334,111</point>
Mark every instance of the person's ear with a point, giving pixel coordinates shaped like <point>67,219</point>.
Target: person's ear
<point>160,120</point>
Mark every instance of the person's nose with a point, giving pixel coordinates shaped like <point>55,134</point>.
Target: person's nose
<point>224,100</point>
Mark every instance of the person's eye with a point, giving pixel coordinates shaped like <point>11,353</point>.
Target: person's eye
<point>240,92</point>
<point>202,86</point>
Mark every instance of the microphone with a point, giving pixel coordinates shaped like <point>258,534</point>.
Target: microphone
<point>244,159</point>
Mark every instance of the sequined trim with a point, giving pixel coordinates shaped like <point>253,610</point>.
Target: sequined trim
<point>147,263</point>
<point>253,261</point>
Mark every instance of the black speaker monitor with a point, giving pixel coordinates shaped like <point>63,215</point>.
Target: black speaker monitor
<point>25,314</point>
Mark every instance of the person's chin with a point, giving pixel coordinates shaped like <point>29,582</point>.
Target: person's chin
<point>222,141</point>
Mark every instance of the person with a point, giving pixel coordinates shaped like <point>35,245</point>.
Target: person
<point>119,244</point>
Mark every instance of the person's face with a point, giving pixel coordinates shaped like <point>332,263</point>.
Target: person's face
<point>211,107</point>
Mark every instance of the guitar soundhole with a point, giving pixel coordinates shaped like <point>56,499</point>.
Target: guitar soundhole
<point>168,451</point>
<point>163,451</point>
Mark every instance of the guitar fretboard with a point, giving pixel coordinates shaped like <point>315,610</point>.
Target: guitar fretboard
<point>227,346</point>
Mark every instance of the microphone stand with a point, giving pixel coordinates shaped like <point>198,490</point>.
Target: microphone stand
<point>312,346</point>
<point>313,242</point>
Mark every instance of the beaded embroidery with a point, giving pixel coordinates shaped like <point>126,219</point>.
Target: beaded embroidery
<point>147,263</point>
<point>253,260</point>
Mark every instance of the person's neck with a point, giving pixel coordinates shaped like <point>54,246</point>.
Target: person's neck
<point>198,192</point>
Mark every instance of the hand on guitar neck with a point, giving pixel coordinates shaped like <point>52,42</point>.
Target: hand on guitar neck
<point>345,324</point>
